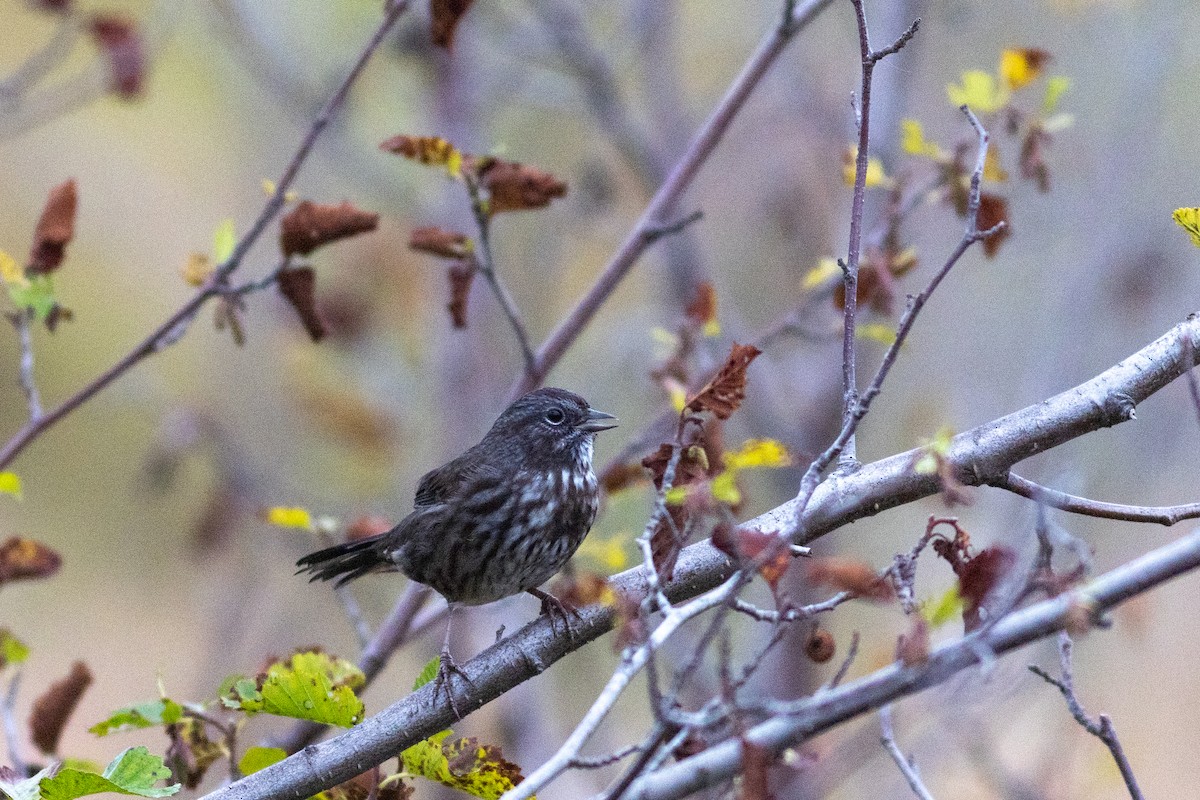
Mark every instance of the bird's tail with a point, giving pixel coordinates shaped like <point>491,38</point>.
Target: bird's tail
<point>345,562</point>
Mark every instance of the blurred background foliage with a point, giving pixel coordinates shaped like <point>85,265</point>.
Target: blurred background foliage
<point>152,491</point>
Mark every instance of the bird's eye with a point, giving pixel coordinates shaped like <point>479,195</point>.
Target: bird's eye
<point>555,416</point>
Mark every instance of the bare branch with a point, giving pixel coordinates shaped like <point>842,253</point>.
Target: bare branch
<point>1162,515</point>
<point>22,320</point>
<point>907,768</point>
<point>8,709</point>
<point>1102,729</point>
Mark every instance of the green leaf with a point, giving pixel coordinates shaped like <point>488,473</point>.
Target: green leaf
<point>36,293</point>
<point>257,758</point>
<point>428,672</point>
<point>947,607</point>
<point>10,483</point>
<point>224,241</point>
<point>133,772</point>
<point>312,685</point>
<point>463,764</point>
<point>12,649</point>
<point>143,715</point>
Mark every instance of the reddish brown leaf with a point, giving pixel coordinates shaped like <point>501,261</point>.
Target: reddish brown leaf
<point>579,589</point>
<point>120,39</point>
<point>367,526</point>
<point>439,242</point>
<point>51,711</point>
<point>423,149</point>
<point>703,307</point>
<point>1033,158</point>
<point>630,627</point>
<point>981,574</point>
<point>912,648</point>
<point>756,764</point>
<point>847,575</point>
<point>621,475</point>
<point>725,392</point>
<point>517,187</point>
<point>993,209</point>
<point>819,647</point>
<point>310,225</point>
<point>461,275</point>
<point>692,466</point>
<point>668,541</point>
<point>298,286</point>
<point>444,18</point>
<point>54,231</point>
<point>743,545</point>
<point>23,559</point>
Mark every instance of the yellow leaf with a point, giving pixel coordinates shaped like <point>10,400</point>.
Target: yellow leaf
<point>224,241</point>
<point>10,483</point>
<point>913,141</point>
<point>290,517</point>
<point>1189,220</point>
<point>758,453</point>
<point>676,495</point>
<point>826,270</point>
<point>678,397</point>
<point>980,91</point>
<point>724,488</point>
<point>877,332</point>
<point>945,608</point>
<point>1020,68</point>
<point>992,171</point>
<point>941,441</point>
<point>196,270</point>
<point>875,174</point>
<point>711,328</point>
<point>1056,86</point>
<point>609,553</point>
<point>10,272</point>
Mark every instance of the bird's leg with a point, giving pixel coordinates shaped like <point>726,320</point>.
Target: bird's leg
<point>552,607</point>
<point>447,667</point>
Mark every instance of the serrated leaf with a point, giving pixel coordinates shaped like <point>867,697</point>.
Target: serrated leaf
<point>142,715</point>
<point>224,241</point>
<point>257,758</point>
<point>313,686</point>
<point>427,673</point>
<point>10,483</point>
<point>290,517</point>
<point>463,764</point>
<point>1186,218</point>
<point>12,649</point>
<point>133,772</point>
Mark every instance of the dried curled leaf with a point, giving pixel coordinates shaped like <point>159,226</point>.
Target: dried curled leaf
<point>23,559</point>
<point>191,752</point>
<point>912,648</point>
<point>54,231</point>
<point>621,475</point>
<point>440,242</point>
<point>120,39</point>
<point>298,286</point>
<point>702,310</point>
<point>769,550</point>
<point>52,710</point>
<point>310,225</point>
<point>462,275</point>
<point>993,209</point>
<point>444,18</point>
<point>517,187</point>
<point>693,465</point>
<point>847,575</point>
<point>433,150</point>
<point>726,391</point>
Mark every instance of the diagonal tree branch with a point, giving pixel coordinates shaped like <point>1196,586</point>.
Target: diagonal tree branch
<point>983,455</point>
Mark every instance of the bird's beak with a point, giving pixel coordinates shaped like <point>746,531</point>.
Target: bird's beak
<point>598,421</point>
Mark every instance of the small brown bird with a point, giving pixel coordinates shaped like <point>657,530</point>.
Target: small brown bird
<point>500,519</point>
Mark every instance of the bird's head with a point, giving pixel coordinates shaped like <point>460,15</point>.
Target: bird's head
<point>551,423</point>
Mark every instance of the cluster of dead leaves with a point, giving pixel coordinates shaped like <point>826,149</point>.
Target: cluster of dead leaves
<point>978,573</point>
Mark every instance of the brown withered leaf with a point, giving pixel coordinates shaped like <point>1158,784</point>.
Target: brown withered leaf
<point>703,307</point>
<point>912,648</point>
<point>579,589</point>
<point>191,752</point>
<point>621,475</point>
<point>365,527</point>
<point>1033,158</point>
<point>848,575</point>
<point>423,149</point>
<point>982,573</point>
<point>726,391</point>
<point>310,225</point>
<point>348,416</point>
<point>461,274</point>
<point>439,242</point>
<point>667,541</point>
<point>227,313</point>
<point>756,766</point>
<point>54,231</point>
<point>744,544</point>
<point>993,209</point>
<point>298,286</point>
<point>367,786</point>
<point>121,40</point>
<point>517,187</point>
<point>692,466</point>
<point>24,559</point>
<point>629,625</point>
<point>819,647</point>
<point>52,710</point>
<point>444,18</point>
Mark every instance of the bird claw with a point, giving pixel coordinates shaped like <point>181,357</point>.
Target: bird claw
<point>553,607</point>
<point>448,667</point>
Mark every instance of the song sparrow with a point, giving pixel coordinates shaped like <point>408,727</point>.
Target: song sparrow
<point>502,518</point>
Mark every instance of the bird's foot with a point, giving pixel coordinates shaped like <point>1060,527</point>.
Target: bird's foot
<point>442,684</point>
<point>552,607</point>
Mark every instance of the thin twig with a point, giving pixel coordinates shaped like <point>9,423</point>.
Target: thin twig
<point>907,768</point>
<point>167,330</point>
<point>8,712</point>
<point>791,614</point>
<point>1162,515</point>
<point>1102,729</point>
<point>680,178</point>
<point>596,762</point>
<point>22,320</point>
<point>851,654</point>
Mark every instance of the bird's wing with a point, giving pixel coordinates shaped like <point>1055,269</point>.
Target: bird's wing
<point>449,480</point>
